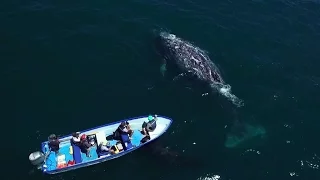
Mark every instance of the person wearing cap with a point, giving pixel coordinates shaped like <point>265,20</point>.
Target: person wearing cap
<point>151,125</point>
<point>147,127</point>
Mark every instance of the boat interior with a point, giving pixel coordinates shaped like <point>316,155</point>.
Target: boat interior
<point>70,154</point>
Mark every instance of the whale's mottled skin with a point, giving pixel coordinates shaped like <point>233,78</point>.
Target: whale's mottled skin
<point>192,60</point>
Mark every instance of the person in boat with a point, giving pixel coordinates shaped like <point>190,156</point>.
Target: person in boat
<point>76,138</point>
<point>130,131</point>
<point>105,147</point>
<point>147,127</point>
<point>124,128</point>
<point>54,143</point>
<point>151,125</point>
<point>85,145</point>
<point>145,138</point>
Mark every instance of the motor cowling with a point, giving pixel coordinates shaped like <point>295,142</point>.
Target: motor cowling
<point>37,158</point>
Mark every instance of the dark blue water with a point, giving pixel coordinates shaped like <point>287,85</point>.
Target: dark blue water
<point>72,65</point>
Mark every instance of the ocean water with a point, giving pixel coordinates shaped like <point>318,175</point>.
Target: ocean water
<point>72,65</point>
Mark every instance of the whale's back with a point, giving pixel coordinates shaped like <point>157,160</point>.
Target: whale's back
<point>190,58</point>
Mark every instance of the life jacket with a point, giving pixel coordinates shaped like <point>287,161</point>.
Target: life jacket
<point>117,150</point>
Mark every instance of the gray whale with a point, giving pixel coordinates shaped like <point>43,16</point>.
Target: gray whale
<point>191,60</point>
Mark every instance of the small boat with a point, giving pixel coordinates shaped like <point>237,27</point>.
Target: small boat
<point>70,157</point>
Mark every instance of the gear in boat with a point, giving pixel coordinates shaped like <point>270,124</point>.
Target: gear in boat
<point>79,148</point>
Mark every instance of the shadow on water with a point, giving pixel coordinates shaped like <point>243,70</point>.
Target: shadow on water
<point>167,157</point>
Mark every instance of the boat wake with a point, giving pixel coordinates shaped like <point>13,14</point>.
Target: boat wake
<point>225,90</point>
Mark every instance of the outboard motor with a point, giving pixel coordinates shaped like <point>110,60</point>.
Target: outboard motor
<point>37,159</point>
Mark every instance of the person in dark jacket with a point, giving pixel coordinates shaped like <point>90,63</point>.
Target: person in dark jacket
<point>151,125</point>
<point>147,127</point>
<point>54,143</point>
<point>124,128</point>
<point>130,131</point>
<point>85,145</point>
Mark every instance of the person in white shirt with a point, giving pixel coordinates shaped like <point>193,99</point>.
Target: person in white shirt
<point>76,138</point>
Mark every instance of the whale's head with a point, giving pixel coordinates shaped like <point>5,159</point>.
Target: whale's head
<point>165,36</point>
<point>165,42</point>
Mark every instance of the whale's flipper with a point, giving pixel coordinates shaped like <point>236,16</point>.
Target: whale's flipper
<point>178,76</point>
<point>185,74</point>
<point>241,132</point>
<point>163,68</point>
<point>174,76</point>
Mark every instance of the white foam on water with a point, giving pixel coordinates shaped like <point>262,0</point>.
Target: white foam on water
<point>225,90</point>
<point>172,36</point>
<point>209,177</point>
